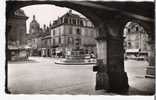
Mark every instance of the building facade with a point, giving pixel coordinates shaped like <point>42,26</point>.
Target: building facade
<point>16,33</point>
<point>136,39</point>
<point>34,40</point>
<point>62,36</point>
<point>46,42</point>
<point>71,30</point>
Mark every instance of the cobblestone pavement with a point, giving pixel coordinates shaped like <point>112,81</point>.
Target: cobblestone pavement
<point>40,75</point>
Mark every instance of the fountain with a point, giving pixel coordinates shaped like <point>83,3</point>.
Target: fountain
<point>76,57</point>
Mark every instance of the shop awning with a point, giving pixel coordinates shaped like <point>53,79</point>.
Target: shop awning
<point>27,47</point>
<point>10,47</point>
<point>132,50</point>
<point>58,51</point>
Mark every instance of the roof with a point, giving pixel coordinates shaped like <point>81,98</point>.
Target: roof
<point>20,12</point>
<point>66,15</point>
<point>70,15</point>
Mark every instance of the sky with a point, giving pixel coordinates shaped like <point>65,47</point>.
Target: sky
<point>45,13</point>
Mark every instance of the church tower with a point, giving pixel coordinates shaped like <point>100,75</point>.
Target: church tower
<point>34,26</point>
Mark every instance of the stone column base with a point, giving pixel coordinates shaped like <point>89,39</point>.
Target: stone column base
<point>118,82</point>
<point>112,81</point>
<point>102,81</point>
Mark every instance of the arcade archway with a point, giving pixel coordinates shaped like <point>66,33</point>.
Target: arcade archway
<point>110,21</point>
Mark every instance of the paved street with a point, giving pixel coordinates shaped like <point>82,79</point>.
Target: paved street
<point>136,71</point>
<point>41,75</point>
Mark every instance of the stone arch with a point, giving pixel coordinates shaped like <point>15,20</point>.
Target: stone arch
<point>110,21</point>
<point>12,6</point>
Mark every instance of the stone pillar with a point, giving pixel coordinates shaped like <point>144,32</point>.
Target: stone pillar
<point>111,75</point>
<point>102,79</point>
<point>118,80</point>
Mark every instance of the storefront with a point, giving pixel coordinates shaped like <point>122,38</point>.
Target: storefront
<point>15,53</point>
<point>136,54</point>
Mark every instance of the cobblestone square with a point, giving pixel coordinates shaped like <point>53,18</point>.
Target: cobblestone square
<point>41,76</point>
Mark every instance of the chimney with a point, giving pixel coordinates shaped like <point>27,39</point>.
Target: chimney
<point>70,11</point>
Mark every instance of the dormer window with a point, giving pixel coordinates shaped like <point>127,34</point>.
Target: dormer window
<point>71,21</point>
<point>53,32</point>
<point>74,21</point>
<point>81,23</point>
<point>66,20</point>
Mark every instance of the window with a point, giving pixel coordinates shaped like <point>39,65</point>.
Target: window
<point>59,39</point>
<point>61,20</point>
<point>53,41</point>
<point>49,42</point>
<point>128,30</point>
<point>59,31</point>
<point>66,20</point>
<point>74,21</point>
<point>137,28</point>
<point>68,40</point>
<point>70,30</point>
<point>71,21</point>
<point>78,31</point>
<point>53,32</point>
<point>81,22</point>
<point>78,41</point>
<point>129,45</point>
